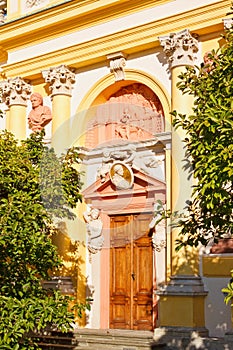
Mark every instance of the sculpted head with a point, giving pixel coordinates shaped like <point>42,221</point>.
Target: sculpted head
<point>36,99</point>
<point>95,213</point>
<point>118,169</point>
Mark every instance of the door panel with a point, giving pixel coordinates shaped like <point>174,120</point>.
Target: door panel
<point>143,284</point>
<point>131,273</point>
<point>119,274</point>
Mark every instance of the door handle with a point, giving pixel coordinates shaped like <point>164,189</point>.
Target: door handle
<point>133,276</point>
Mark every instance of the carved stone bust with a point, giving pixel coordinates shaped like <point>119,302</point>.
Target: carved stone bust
<point>40,115</point>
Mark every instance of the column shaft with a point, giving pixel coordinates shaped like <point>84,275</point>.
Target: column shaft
<point>185,293</point>
<point>16,122</point>
<point>61,122</point>
<point>61,80</point>
<point>181,182</point>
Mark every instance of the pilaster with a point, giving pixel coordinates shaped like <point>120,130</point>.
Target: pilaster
<point>181,49</point>
<point>61,80</point>
<point>184,294</point>
<point>15,93</point>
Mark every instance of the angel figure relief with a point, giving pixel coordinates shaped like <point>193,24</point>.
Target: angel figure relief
<point>94,227</point>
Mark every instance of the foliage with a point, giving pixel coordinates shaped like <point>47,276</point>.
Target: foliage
<point>22,316</point>
<point>228,291</point>
<point>209,147</point>
<point>35,187</point>
<point>80,308</point>
<point>1,112</point>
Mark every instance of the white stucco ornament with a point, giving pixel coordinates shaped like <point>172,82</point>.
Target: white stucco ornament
<point>61,79</point>
<point>121,175</point>
<point>157,225</point>
<point>94,226</point>
<point>117,64</point>
<point>181,47</point>
<point>31,3</point>
<point>130,156</point>
<point>15,91</point>
<point>228,23</point>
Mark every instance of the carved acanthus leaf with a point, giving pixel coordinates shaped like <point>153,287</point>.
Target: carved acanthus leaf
<point>181,47</point>
<point>15,91</point>
<point>228,23</point>
<point>61,79</point>
<point>3,10</point>
<point>159,246</point>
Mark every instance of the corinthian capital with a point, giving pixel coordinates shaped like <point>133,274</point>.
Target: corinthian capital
<point>15,91</point>
<point>60,79</point>
<point>3,6</point>
<point>181,48</point>
<point>228,23</point>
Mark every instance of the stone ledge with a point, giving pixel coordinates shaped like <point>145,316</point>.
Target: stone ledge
<point>184,285</point>
<point>115,339</point>
<point>217,265</point>
<point>180,338</point>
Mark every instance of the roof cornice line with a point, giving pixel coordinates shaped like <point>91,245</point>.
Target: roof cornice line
<point>130,41</point>
<point>63,19</point>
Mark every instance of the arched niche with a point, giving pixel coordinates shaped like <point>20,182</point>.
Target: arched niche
<point>133,113</point>
<point>134,109</point>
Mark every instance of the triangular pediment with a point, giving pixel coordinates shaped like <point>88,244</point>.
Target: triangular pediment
<point>142,183</point>
<point>144,189</point>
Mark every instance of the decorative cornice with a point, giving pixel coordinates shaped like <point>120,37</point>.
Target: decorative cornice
<point>3,55</point>
<point>62,19</point>
<point>184,285</point>
<point>204,20</point>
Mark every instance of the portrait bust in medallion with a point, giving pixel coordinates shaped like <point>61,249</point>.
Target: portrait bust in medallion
<point>121,175</point>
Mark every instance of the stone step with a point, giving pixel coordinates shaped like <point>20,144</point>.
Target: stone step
<point>54,346</point>
<point>119,347</point>
<point>55,341</point>
<point>115,339</point>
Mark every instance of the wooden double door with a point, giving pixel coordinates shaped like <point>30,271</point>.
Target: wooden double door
<point>131,273</point>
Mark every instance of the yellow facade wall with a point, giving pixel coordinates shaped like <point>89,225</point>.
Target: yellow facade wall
<point>217,265</point>
<point>182,310</point>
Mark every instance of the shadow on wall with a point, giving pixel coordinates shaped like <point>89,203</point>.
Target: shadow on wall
<point>218,314</point>
<point>185,262</point>
<point>70,253</point>
<point>177,340</point>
